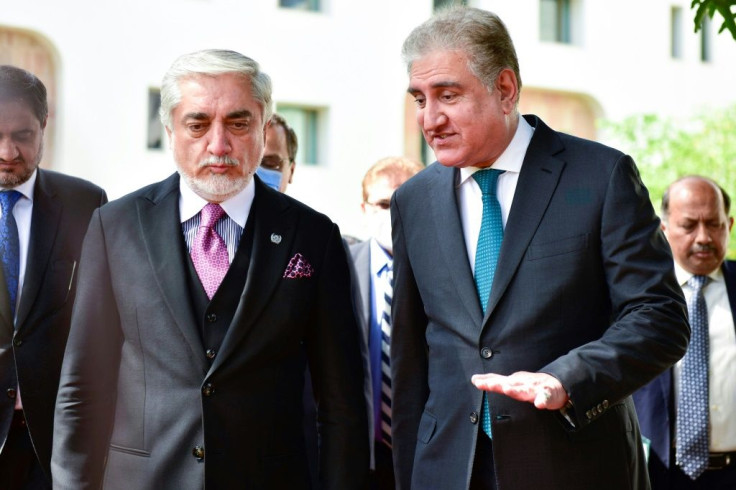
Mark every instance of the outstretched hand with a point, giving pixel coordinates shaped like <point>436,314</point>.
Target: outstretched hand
<point>545,391</point>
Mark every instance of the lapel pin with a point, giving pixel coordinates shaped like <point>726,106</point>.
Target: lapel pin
<point>275,238</point>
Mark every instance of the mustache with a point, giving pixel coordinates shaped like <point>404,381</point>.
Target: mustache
<point>213,160</point>
<point>703,248</point>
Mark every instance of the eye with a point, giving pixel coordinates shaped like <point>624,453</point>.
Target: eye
<point>448,96</point>
<point>239,125</point>
<point>195,127</point>
<point>23,136</point>
<point>419,101</point>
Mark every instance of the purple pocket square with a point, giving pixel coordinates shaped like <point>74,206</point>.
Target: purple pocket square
<point>298,267</point>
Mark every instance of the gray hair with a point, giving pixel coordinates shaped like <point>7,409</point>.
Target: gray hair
<point>213,62</point>
<point>480,34</point>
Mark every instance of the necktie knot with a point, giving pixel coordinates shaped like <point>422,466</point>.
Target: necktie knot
<point>8,200</point>
<point>487,180</point>
<point>210,215</point>
<point>697,283</point>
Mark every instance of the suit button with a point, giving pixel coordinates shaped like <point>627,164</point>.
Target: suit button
<point>473,417</point>
<point>17,342</point>
<point>208,389</point>
<point>211,317</point>
<point>600,408</point>
<point>605,404</point>
<point>210,354</point>
<point>11,392</point>
<point>486,353</point>
<point>589,415</point>
<point>198,452</point>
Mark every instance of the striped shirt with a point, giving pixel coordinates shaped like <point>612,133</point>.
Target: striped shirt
<point>229,227</point>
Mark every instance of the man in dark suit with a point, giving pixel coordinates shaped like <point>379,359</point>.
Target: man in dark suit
<point>201,298</point>
<point>44,217</point>
<point>372,260</point>
<point>697,224</point>
<point>556,281</point>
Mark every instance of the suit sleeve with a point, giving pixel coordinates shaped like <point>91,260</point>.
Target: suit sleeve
<point>337,375</point>
<point>409,363</point>
<point>86,399</point>
<point>649,330</point>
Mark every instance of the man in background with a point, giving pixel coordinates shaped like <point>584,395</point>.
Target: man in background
<point>373,264</point>
<point>201,299</point>
<point>279,156</point>
<point>687,413</point>
<point>43,219</point>
<point>529,255</point>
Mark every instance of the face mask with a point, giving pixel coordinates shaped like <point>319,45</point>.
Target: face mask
<point>379,226</point>
<point>271,178</point>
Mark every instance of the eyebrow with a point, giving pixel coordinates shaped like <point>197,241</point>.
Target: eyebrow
<point>442,84</point>
<point>203,116</point>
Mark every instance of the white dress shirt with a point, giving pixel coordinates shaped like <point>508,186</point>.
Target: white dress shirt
<point>722,360</point>
<point>470,197</point>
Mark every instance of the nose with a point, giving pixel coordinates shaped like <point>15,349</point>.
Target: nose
<point>702,234</point>
<point>432,116</point>
<point>8,150</point>
<point>219,141</point>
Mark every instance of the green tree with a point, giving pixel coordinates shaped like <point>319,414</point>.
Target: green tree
<point>666,149</point>
<point>710,7</point>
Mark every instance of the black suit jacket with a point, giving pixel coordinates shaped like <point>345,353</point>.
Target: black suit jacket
<point>655,405</point>
<point>584,290</point>
<point>31,353</point>
<point>137,393</point>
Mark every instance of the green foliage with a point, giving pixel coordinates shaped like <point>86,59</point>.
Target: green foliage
<point>666,149</point>
<point>710,7</point>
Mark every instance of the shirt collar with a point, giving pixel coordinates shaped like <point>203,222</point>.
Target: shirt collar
<point>26,188</point>
<point>684,276</point>
<point>512,157</point>
<point>237,207</point>
<point>380,259</point>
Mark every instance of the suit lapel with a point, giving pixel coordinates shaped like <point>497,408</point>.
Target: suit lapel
<point>538,179</point>
<point>160,223</point>
<point>45,220</point>
<point>273,238</point>
<point>6,322</point>
<point>361,253</point>
<point>447,223</point>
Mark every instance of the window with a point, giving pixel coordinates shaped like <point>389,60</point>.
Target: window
<point>155,132</point>
<point>311,5</point>
<point>555,21</point>
<point>306,123</point>
<point>705,39</point>
<point>676,34</point>
<point>438,4</point>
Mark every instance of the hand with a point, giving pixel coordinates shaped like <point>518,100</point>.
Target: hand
<point>545,391</point>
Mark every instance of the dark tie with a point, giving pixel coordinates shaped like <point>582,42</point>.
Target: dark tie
<point>209,252</point>
<point>385,356</point>
<point>486,253</point>
<point>9,245</point>
<point>693,439</point>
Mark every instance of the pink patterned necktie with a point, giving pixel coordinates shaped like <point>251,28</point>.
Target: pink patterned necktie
<point>209,252</point>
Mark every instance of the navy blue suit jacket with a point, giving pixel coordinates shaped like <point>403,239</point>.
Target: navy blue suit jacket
<point>655,401</point>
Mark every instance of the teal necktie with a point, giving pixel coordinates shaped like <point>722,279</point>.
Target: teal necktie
<point>486,253</point>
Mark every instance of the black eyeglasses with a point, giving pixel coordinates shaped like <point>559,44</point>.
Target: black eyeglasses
<point>383,204</point>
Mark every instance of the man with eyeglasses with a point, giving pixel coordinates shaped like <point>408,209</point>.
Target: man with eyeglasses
<point>372,273</point>
<point>277,166</point>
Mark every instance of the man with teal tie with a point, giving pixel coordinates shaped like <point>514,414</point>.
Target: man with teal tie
<point>532,259</point>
